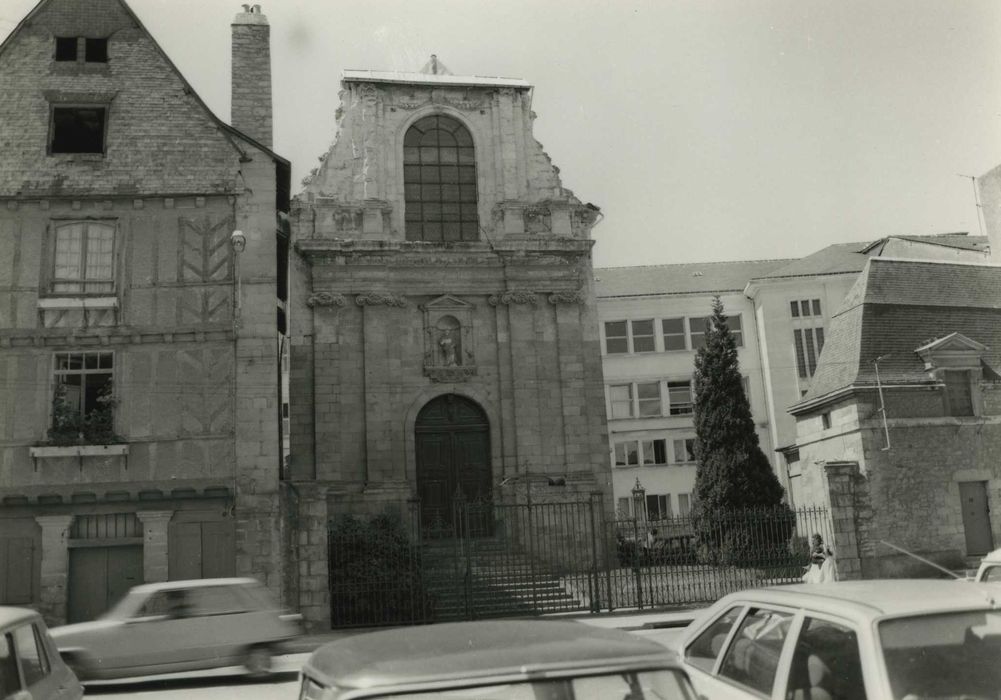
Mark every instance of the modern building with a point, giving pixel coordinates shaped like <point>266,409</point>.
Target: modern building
<point>652,322</point>
<point>900,430</point>
<point>140,240</point>
<point>444,331</point>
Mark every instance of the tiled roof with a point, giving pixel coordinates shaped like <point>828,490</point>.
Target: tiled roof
<point>687,278</point>
<point>895,307</point>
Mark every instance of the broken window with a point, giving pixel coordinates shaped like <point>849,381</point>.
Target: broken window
<point>439,180</point>
<point>94,50</point>
<point>78,129</point>
<point>83,258</point>
<point>66,47</point>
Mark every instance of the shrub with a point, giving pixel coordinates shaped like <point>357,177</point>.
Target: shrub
<point>375,573</point>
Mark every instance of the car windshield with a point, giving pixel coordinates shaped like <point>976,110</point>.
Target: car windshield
<point>948,655</point>
<point>646,685</point>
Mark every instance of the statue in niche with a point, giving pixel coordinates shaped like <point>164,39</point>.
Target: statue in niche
<point>449,342</point>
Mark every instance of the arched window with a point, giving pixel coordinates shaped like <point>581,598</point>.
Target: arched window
<point>439,178</point>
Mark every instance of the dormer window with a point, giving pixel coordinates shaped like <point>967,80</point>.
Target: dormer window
<point>439,181</point>
<point>957,363</point>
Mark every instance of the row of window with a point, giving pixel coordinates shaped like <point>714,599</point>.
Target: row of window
<point>805,308</point>
<point>633,453</point>
<point>681,333</point>
<point>809,342</point>
<point>658,506</point>
<point>647,399</point>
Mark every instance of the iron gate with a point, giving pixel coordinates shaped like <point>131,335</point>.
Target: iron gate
<point>493,559</point>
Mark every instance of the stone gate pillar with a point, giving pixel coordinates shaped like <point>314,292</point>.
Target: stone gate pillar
<point>841,477</point>
<point>55,566</point>
<point>155,557</point>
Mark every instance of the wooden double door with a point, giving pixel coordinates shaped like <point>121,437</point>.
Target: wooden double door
<point>453,459</point>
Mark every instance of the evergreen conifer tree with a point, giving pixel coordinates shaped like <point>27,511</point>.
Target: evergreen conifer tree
<point>733,473</point>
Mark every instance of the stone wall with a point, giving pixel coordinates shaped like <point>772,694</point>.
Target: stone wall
<point>909,494</point>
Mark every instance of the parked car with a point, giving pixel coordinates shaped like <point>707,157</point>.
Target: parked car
<point>990,567</point>
<point>849,641</point>
<point>495,659</point>
<point>30,666</point>
<point>180,626</point>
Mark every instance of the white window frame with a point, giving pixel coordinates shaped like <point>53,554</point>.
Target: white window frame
<point>691,399</point>
<point>683,334</point>
<point>99,286</point>
<point>613,402</point>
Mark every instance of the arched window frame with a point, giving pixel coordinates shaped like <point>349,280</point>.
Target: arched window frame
<point>440,181</point>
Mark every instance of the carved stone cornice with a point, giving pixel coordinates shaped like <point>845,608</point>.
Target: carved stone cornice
<point>566,297</point>
<point>508,298</point>
<point>379,299</point>
<point>326,299</point>
<point>445,375</point>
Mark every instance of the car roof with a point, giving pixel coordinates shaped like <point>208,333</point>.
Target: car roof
<point>483,649</point>
<point>12,616</point>
<point>992,557</point>
<point>192,583</point>
<point>877,598</point>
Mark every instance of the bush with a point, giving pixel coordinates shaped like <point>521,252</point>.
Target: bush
<point>375,573</point>
<point>753,537</point>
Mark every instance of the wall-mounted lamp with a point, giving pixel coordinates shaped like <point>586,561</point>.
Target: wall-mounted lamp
<point>238,241</point>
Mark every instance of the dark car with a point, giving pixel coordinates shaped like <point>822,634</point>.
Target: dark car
<point>513,660</point>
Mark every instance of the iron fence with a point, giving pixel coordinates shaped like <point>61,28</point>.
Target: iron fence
<point>492,559</point>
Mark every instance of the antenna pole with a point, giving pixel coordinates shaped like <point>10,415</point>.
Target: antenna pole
<point>976,200</point>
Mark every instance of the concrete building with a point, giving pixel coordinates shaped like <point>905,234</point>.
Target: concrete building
<point>444,333</point>
<point>139,282</point>
<point>900,430</point>
<point>652,321</point>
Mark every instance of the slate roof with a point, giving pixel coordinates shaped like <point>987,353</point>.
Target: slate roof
<point>715,277</point>
<point>845,258</point>
<point>897,306</point>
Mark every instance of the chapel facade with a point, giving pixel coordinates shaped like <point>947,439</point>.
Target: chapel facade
<point>444,339</point>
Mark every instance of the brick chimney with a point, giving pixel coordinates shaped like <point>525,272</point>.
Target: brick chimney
<point>251,93</point>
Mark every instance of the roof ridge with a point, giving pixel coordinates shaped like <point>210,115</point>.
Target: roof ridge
<point>710,262</point>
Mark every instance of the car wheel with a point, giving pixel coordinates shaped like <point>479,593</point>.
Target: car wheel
<point>258,662</point>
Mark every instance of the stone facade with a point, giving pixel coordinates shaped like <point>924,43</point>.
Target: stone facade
<point>180,322</point>
<point>909,479</point>
<point>387,325</point>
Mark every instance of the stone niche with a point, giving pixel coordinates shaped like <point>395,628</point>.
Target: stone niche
<point>449,352</point>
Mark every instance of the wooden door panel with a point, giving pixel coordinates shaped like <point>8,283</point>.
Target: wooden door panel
<point>218,551</point>
<point>125,570</point>
<point>17,568</point>
<point>184,551</point>
<point>88,583</point>
<point>976,517</point>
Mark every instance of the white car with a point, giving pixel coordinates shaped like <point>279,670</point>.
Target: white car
<point>900,639</point>
<point>990,567</point>
<point>180,626</point>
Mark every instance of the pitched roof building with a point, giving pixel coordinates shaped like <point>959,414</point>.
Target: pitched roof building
<point>900,425</point>
<point>140,274</point>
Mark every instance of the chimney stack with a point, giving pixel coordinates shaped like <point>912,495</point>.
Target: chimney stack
<point>251,80</point>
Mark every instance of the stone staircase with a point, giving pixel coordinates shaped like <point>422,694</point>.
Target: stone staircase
<point>477,578</point>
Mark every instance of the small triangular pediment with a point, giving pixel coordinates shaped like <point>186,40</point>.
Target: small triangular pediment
<point>953,351</point>
<point>447,301</point>
<point>954,342</point>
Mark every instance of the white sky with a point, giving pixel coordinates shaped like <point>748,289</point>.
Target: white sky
<point>705,130</point>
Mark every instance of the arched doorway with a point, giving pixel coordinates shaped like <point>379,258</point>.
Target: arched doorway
<point>453,457</point>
